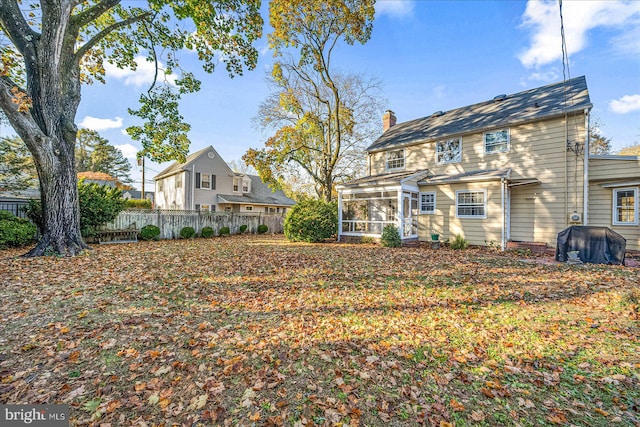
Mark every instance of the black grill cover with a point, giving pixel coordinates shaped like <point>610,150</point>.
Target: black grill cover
<point>597,245</point>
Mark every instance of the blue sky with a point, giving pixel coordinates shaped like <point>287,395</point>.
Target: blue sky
<point>429,56</point>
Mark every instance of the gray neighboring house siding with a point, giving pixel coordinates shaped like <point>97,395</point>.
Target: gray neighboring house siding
<point>205,182</point>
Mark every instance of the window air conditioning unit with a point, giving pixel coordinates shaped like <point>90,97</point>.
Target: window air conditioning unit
<point>575,218</point>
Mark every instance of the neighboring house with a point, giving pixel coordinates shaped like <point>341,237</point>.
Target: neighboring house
<point>135,194</point>
<point>102,178</point>
<point>205,182</point>
<point>16,201</point>
<point>514,168</point>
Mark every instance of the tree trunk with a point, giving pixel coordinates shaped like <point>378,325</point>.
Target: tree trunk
<point>59,199</point>
<point>43,115</point>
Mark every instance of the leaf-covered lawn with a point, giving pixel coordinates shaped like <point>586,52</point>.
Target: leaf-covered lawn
<point>258,331</point>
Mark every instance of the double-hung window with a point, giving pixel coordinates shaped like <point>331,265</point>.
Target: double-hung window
<point>179,180</point>
<point>471,204</point>
<point>395,159</point>
<point>625,206</point>
<point>428,202</point>
<point>496,142</point>
<point>449,151</point>
<point>205,181</point>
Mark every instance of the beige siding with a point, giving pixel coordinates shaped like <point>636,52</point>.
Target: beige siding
<point>477,231</point>
<point>601,214</point>
<point>523,209</point>
<point>537,150</point>
<point>613,169</point>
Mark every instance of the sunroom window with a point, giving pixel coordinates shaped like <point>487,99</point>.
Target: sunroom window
<point>496,142</point>
<point>395,159</point>
<point>449,151</point>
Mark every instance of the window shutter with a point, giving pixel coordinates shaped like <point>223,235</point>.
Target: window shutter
<point>213,182</point>
<point>197,179</point>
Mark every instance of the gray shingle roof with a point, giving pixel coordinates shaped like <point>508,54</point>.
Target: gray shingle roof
<point>176,166</point>
<point>530,105</point>
<point>260,194</point>
<point>477,175</point>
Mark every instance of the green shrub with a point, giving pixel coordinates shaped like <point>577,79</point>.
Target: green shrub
<point>311,221</point>
<point>243,228</point>
<point>34,212</point>
<point>207,232</point>
<point>459,243</point>
<point>138,203</point>
<point>14,231</point>
<point>390,237</point>
<point>224,231</point>
<point>262,228</point>
<point>187,232</point>
<point>150,232</point>
<point>99,204</point>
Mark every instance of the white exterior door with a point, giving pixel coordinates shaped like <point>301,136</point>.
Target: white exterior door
<point>409,214</point>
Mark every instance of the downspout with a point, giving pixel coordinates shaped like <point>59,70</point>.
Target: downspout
<point>503,240</point>
<point>566,171</point>
<point>585,186</point>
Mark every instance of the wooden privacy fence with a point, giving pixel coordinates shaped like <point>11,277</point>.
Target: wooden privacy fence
<point>171,222</point>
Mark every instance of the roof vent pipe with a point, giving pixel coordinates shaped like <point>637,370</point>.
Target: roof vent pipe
<point>499,98</point>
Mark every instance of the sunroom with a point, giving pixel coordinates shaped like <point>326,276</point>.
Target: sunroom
<point>367,205</point>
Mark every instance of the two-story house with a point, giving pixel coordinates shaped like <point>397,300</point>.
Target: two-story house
<point>205,182</point>
<point>513,168</point>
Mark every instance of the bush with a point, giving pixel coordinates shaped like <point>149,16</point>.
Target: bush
<point>224,231</point>
<point>243,228</point>
<point>99,204</point>
<point>262,228</point>
<point>390,237</point>
<point>138,204</point>
<point>207,232</point>
<point>14,231</point>
<point>187,233</point>
<point>150,232</point>
<point>459,243</point>
<point>311,221</point>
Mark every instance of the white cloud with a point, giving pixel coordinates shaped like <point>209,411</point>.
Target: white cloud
<point>394,8</point>
<point>543,20</point>
<point>128,150</point>
<point>97,124</point>
<point>142,76</point>
<point>626,104</point>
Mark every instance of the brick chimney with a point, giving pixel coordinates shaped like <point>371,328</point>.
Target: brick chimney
<point>388,120</point>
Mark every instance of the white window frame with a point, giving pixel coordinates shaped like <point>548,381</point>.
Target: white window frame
<point>459,205</point>
<point>161,185</point>
<point>179,180</point>
<point>504,145</point>
<point>616,208</point>
<point>423,203</point>
<point>396,161</point>
<point>202,181</point>
<point>248,208</point>
<point>440,153</point>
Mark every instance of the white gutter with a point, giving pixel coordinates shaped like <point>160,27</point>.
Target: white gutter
<point>585,196</point>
